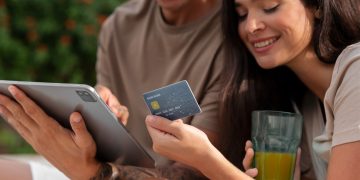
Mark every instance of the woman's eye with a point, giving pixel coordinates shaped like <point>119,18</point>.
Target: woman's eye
<point>272,9</point>
<point>242,17</point>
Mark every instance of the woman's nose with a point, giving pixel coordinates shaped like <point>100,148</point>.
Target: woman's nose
<point>254,24</point>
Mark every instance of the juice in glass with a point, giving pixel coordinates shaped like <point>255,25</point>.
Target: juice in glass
<point>275,165</point>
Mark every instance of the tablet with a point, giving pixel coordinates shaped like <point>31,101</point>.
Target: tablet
<point>59,100</point>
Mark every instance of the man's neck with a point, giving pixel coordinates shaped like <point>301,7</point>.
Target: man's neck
<point>193,11</point>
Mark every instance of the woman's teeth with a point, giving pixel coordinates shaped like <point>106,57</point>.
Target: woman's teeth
<point>264,43</point>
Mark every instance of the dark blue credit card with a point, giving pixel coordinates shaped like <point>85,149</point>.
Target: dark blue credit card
<point>174,101</point>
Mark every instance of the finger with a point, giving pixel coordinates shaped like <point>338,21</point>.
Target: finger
<point>107,96</point>
<point>31,109</point>
<point>113,101</point>
<point>248,145</point>
<point>160,139</point>
<point>156,134</point>
<point>17,112</point>
<point>165,125</point>
<point>121,112</point>
<point>103,92</point>
<point>20,128</point>
<point>124,114</point>
<point>297,172</point>
<point>124,117</point>
<point>248,158</point>
<point>81,135</point>
<point>252,172</point>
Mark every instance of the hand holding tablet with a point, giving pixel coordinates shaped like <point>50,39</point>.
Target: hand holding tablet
<point>59,100</point>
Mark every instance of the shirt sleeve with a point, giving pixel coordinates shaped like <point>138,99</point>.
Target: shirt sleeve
<point>347,99</point>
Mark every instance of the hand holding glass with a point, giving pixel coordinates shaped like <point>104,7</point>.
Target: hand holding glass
<point>276,136</point>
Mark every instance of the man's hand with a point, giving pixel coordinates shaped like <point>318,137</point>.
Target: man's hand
<point>72,152</point>
<point>120,111</point>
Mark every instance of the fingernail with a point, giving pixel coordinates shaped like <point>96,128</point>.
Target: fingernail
<point>11,90</point>
<point>77,119</point>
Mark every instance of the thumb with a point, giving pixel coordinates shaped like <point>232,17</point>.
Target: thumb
<point>82,136</point>
<point>252,172</point>
<point>248,159</point>
<point>297,171</point>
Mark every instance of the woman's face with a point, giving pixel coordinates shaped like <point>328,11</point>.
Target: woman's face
<point>277,32</point>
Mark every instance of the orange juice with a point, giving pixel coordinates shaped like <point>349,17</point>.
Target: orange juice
<point>274,165</point>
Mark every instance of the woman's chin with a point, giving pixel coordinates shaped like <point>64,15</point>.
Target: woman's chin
<point>267,64</point>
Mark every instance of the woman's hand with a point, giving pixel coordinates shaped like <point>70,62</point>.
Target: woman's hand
<point>248,159</point>
<point>179,141</point>
<point>72,152</point>
<point>120,111</point>
<point>190,146</point>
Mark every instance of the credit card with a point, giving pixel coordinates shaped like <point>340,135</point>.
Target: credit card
<point>174,101</point>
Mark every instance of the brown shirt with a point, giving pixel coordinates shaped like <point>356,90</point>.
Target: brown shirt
<point>139,52</point>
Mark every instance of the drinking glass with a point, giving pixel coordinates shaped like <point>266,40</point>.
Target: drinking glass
<point>276,137</point>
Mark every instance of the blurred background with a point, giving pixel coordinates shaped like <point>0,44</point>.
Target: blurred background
<point>48,41</point>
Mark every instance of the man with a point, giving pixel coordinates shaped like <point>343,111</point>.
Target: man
<point>143,47</point>
<point>144,44</point>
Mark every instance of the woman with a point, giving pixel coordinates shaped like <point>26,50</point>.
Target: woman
<point>276,51</point>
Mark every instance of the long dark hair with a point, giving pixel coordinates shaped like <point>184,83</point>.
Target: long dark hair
<point>248,87</point>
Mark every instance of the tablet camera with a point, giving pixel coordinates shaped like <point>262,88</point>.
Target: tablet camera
<point>85,96</point>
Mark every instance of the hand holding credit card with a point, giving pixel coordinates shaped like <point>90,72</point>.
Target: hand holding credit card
<point>174,101</point>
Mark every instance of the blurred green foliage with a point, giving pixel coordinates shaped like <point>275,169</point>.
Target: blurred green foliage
<point>49,41</point>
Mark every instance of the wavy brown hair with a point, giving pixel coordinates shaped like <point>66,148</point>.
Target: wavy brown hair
<point>248,87</point>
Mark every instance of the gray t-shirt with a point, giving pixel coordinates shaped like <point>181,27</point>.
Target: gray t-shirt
<point>139,52</point>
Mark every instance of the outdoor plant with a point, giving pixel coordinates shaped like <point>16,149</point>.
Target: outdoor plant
<point>49,41</point>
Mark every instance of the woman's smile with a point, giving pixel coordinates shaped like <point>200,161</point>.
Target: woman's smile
<point>264,44</point>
